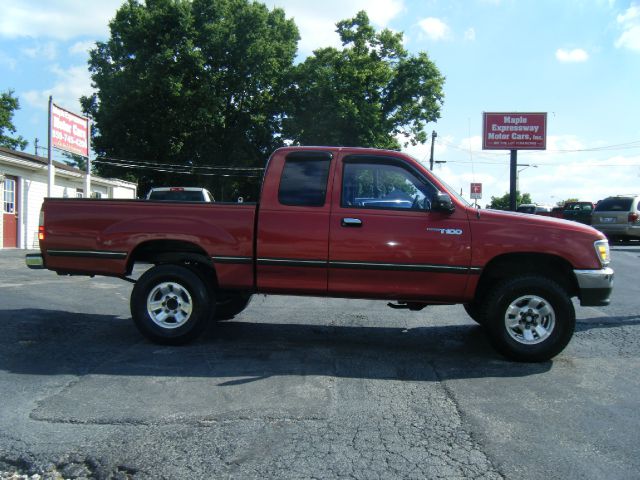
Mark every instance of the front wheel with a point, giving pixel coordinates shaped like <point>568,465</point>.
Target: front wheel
<point>170,304</point>
<point>529,318</point>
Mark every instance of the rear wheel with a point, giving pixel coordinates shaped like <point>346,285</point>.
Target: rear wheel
<point>170,304</point>
<point>529,318</point>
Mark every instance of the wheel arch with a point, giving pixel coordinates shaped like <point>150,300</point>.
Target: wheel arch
<point>178,252</point>
<point>518,264</point>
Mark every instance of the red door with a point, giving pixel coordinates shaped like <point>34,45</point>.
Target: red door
<point>384,240</point>
<point>293,225</point>
<point>10,213</point>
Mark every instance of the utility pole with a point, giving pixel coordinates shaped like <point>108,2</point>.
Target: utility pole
<point>433,137</point>
<point>36,147</point>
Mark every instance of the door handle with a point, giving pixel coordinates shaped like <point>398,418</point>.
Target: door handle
<point>351,222</point>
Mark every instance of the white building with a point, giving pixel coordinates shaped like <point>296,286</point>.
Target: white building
<point>23,186</point>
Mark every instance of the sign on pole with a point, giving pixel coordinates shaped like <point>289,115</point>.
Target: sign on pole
<point>69,132</point>
<point>514,131</point>
<point>476,191</point>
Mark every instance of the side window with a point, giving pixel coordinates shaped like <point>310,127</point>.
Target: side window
<point>383,185</point>
<point>304,179</point>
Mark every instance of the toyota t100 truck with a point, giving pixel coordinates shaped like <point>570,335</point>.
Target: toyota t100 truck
<point>337,222</point>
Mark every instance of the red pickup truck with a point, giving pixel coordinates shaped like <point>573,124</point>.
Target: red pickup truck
<point>338,222</point>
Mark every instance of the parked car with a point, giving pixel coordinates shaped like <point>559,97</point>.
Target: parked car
<point>556,212</point>
<point>578,212</point>
<point>180,194</point>
<point>534,208</point>
<point>618,217</point>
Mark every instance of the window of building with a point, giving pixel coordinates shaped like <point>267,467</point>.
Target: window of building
<point>9,204</point>
<point>304,179</point>
<point>384,185</point>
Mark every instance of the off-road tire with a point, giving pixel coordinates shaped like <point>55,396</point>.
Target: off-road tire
<point>515,305</point>
<point>170,304</point>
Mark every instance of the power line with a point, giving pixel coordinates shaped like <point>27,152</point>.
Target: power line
<point>143,163</point>
<point>184,169</point>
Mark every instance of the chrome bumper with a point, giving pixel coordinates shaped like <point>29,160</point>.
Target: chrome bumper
<point>595,286</point>
<point>34,261</point>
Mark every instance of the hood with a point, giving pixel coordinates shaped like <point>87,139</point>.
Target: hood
<point>540,221</point>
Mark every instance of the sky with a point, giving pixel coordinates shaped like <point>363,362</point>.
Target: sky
<point>576,60</point>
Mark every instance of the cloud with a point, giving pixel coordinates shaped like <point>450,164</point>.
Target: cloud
<point>70,85</point>
<point>82,48</point>
<point>629,21</point>
<point>62,19</point>
<point>470,34</point>
<point>577,55</point>
<point>317,25</point>
<point>7,61</point>
<point>435,28</point>
<point>42,51</point>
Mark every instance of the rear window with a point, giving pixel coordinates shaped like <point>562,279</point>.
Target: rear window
<point>614,205</point>
<point>304,179</point>
<point>177,196</point>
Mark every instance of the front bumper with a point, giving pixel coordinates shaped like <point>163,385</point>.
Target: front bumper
<point>595,286</point>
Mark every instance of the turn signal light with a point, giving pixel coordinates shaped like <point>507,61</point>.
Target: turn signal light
<point>602,251</point>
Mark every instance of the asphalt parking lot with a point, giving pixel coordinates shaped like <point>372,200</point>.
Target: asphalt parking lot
<point>308,388</point>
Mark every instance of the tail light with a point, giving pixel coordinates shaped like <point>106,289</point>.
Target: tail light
<point>633,217</point>
<point>41,226</point>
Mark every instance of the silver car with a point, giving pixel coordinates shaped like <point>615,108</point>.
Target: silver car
<point>618,217</point>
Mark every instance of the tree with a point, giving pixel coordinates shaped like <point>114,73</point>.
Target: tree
<point>502,203</point>
<point>189,83</point>
<point>8,105</point>
<point>369,93</point>
<point>562,203</point>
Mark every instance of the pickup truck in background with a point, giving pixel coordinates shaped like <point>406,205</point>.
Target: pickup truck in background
<point>337,222</point>
<point>180,194</point>
<point>578,212</point>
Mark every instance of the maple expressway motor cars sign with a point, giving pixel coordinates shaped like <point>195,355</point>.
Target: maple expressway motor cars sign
<point>514,131</point>
<point>69,132</point>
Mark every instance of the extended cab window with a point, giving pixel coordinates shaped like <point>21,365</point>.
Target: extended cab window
<point>304,179</point>
<point>384,185</point>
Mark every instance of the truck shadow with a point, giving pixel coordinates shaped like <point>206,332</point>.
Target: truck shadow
<point>45,342</point>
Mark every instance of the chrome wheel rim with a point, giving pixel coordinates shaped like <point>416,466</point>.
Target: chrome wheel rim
<point>169,305</point>
<point>530,319</point>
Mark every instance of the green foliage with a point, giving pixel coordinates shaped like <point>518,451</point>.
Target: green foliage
<point>196,83</point>
<point>367,94</point>
<point>502,203</point>
<point>76,160</point>
<point>8,105</point>
<point>190,83</point>
<point>562,203</point>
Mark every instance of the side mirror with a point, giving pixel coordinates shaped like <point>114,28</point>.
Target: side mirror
<point>442,203</point>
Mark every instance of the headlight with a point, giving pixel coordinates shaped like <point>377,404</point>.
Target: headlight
<point>602,252</point>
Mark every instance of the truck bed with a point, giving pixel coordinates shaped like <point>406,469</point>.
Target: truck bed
<point>104,237</point>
